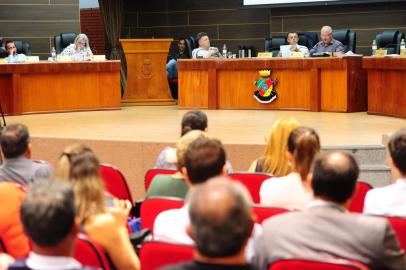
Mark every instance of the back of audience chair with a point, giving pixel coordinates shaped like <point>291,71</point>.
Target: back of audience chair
<point>115,182</point>
<point>89,253</point>
<point>399,226</point>
<point>155,255</point>
<point>150,174</point>
<point>264,212</point>
<point>152,207</point>
<point>2,247</point>
<point>357,202</point>
<point>252,181</point>
<point>303,264</point>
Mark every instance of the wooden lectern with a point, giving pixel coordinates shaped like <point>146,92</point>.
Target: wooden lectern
<point>146,72</point>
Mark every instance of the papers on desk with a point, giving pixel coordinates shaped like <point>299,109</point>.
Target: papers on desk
<point>350,53</point>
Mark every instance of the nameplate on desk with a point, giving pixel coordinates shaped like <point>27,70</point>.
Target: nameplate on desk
<point>381,52</point>
<point>99,57</point>
<point>264,55</point>
<point>297,55</point>
<point>403,53</point>
<point>32,59</point>
<point>3,61</point>
<point>63,58</point>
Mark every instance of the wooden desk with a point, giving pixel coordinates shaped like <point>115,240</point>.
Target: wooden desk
<point>146,72</point>
<point>386,90</point>
<point>312,84</point>
<point>59,87</point>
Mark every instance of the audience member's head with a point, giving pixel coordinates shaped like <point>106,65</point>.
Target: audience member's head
<point>334,176</point>
<point>203,40</point>
<point>303,145</point>
<point>221,218</point>
<point>81,42</point>
<point>181,45</point>
<point>182,145</point>
<point>204,158</point>
<point>11,47</point>
<point>193,120</point>
<point>326,34</point>
<point>397,151</point>
<point>277,143</point>
<point>15,141</point>
<point>80,166</point>
<point>293,38</point>
<point>48,216</point>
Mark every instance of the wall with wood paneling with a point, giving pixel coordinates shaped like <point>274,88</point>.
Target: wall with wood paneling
<point>227,22</point>
<point>38,21</point>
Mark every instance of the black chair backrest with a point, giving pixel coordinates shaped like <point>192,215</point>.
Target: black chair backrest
<point>190,45</point>
<point>63,40</point>
<point>347,38</point>
<point>274,43</point>
<point>22,46</point>
<point>390,40</point>
<point>308,39</point>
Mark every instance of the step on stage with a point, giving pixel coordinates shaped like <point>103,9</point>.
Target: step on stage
<point>132,138</point>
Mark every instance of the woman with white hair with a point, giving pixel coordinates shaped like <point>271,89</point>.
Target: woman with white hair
<point>80,49</point>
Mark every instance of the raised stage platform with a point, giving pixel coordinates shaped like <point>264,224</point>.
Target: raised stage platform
<point>132,138</point>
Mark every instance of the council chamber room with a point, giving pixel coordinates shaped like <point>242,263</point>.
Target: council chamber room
<point>187,134</point>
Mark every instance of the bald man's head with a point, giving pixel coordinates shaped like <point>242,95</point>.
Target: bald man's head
<point>220,216</point>
<point>334,176</point>
<point>326,34</point>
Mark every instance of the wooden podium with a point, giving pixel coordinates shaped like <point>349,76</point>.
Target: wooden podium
<point>146,72</point>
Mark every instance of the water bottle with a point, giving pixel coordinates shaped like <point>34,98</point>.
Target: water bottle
<point>224,51</point>
<point>239,52</point>
<point>53,54</point>
<point>249,52</point>
<point>374,47</point>
<point>243,51</point>
<point>402,44</point>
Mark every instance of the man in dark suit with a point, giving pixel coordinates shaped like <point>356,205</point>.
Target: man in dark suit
<point>325,230</point>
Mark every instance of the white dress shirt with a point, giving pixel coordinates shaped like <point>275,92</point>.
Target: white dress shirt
<point>171,226</point>
<point>286,192</point>
<point>41,262</point>
<point>388,201</point>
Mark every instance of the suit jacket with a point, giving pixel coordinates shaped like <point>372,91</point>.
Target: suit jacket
<point>23,171</point>
<point>324,230</point>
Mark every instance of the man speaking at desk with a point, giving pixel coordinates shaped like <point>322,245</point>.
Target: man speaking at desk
<point>327,44</point>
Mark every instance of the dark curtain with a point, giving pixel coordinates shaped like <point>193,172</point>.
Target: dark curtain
<point>113,16</point>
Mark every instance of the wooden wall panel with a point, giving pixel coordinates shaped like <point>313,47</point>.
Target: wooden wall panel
<point>38,21</point>
<point>333,98</point>
<point>196,84</point>
<point>227,22</point>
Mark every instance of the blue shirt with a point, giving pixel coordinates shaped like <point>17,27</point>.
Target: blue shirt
<point>334,46</point>
<point>17,58</point>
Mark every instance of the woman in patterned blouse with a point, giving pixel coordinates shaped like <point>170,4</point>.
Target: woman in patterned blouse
<point>80,50</point>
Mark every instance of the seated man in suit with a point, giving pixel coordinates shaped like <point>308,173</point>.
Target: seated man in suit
<point>328,44</point>
<point>18,166</point>
<point>221,221</point>
<point>48,215</point>
<point>391,200</point>
<point>204,50</point>
<point>13,56</point>
<point>325,230</point>
<point>293,39</point>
